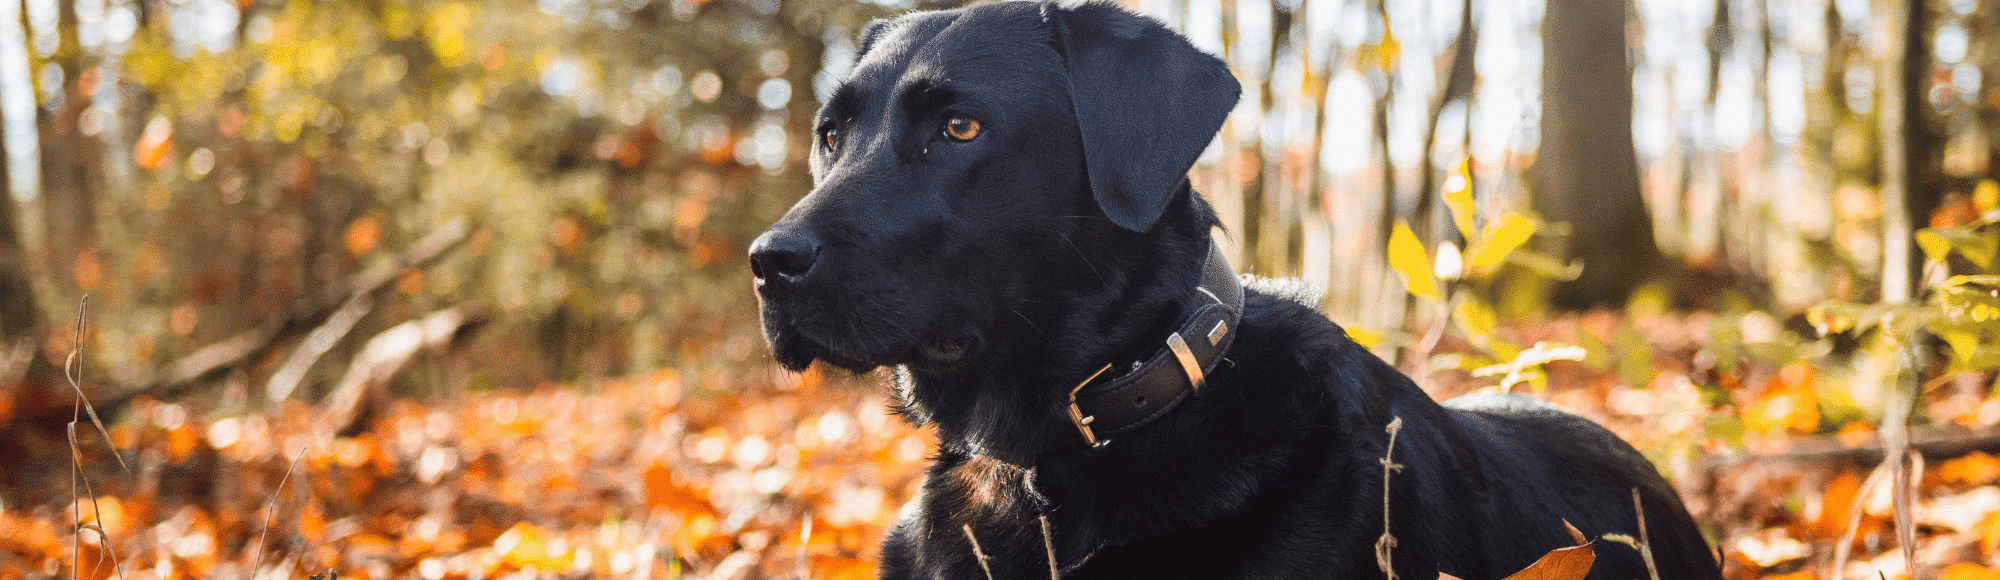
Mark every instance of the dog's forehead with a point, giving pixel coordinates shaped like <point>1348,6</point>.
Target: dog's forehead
<point>943,45</point>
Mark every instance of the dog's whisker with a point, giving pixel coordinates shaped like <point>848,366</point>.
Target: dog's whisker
<point>1031,323</point>
<point>1086,261</point>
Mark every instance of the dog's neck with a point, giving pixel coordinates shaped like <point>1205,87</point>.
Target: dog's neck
<point>1114,401</point>
<point>1013,403</point>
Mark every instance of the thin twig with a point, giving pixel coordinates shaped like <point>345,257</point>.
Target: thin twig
<point>978,553</point>
<point>1645,541</point>
<point>97,513</point>
<point>75,360</point>
<point>805,541</point>
<point>1841,550</point>
<point>72,367</point>
<point>1896,449</point>
<point>1387,542</point>
<point>116,568</point>
<point>1049,543</point>
<point>271,508</point>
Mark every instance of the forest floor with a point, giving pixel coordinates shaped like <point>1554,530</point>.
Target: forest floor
<point>730,473</point>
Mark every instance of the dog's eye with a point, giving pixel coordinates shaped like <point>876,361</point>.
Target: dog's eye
<point>961,128</point>
<point>831,138</point>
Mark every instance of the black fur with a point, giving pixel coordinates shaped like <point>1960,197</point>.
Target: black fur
<point>996,273</point>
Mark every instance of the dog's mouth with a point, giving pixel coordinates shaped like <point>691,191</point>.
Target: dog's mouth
<point>857,342</point>
<point>802,330</point>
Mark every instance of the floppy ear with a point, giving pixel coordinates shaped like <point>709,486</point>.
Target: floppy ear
<point>1147,102</point>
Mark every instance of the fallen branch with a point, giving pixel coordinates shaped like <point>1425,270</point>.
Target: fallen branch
<point>386,354</point>
<point>1936,442</point>
<point>232,352</point>
<point>316,344</point>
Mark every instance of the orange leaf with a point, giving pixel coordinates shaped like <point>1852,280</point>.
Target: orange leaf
<point>1989,535</point>
<point>1571,563</point>
<point>1977,468</point>
<point>362,235</point>
<point>1800,575</point>
<point>1575,534</point>
<point>1836,505</point>
<point>841,568</point>
<point>662,492</point>
<point>1969,571</point>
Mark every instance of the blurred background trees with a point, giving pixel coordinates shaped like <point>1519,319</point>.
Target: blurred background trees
<point>253,191</point>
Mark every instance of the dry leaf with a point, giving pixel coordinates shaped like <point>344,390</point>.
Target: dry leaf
<point>1572,563</point>
<point>1575,533</point>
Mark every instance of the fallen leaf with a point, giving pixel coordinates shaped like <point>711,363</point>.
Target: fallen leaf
<point>1571,563</point>
<point>1969,571</point>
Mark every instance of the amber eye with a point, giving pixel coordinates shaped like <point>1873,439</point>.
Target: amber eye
<point>961,128</point>
<point>832,139</point>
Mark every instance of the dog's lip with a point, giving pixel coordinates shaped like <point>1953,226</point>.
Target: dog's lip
<point>803,343</point>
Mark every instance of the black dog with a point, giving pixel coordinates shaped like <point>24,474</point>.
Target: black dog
<point>1002,214</point>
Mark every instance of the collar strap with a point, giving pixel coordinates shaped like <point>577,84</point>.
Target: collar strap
<point>1154,386</point>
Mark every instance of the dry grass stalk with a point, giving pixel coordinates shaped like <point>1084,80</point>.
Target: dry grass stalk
<point>271,508</point>
<point>72,367</point>
<point>978,553</point>
<point>1645,543</point>
<point>1049,543</point>
<point>1387,542</point>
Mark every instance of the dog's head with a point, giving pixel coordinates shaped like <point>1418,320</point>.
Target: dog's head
<point>978,164</point>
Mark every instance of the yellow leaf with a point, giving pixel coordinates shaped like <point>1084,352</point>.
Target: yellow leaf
<point>1407,258</point>
<point>1458,196</point>
<point>1986,195</point>
<point>1501,239</point>
<point>1388,51</point>
<point>1364,337</point>
<point>1933,244</point>
<point>1476,317</point>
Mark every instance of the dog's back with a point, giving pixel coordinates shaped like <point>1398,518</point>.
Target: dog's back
<point>1556,465</point>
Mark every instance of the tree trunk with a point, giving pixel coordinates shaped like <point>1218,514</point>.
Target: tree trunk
<point>1906,153</point>
<point>1587,172</point>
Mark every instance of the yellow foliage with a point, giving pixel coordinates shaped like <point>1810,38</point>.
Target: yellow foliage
<point>1407,257</point>
<point>1501,239</point>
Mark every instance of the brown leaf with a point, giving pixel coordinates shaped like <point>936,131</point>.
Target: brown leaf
<point>1571,563</point>
<point>1575,533</point>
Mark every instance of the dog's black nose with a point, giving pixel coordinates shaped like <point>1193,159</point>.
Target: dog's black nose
<point>782,256</point>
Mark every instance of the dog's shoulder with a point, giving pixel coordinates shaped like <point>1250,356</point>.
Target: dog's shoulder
<point>1292,289</point>
<point>1504,403</point>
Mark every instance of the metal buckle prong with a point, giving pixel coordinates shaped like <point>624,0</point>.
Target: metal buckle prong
<point>1076,413</point>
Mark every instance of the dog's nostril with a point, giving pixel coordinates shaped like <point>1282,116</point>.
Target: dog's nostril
<point>782,255</point>
<point>788,263</point>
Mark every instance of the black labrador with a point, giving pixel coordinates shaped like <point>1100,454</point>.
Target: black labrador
<point>1002,214</point>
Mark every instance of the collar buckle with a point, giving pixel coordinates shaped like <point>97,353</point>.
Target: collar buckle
<point>1076,415</point>
<point>1157,384</point>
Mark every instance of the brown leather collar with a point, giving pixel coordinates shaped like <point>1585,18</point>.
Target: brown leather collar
<point>1180,369</point>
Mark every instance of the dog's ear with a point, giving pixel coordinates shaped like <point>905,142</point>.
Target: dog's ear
<point>869,33</point>
<point>1147,102</point>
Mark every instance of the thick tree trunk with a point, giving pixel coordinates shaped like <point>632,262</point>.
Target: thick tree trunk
<point>1587,172</point>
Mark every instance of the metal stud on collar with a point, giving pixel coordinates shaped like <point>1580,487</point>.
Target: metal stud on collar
<point>1188,364</point>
